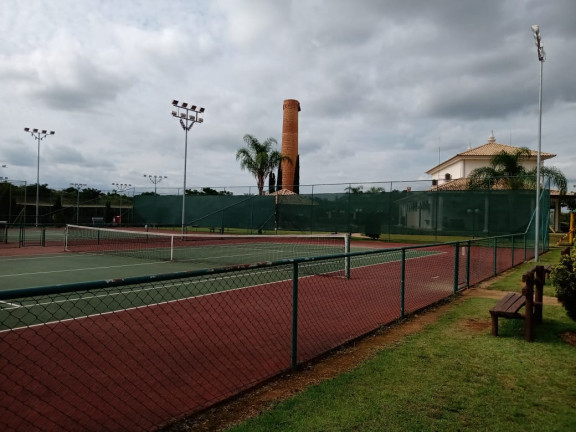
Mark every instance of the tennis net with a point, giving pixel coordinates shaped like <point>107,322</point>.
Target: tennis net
<point>220,249</point>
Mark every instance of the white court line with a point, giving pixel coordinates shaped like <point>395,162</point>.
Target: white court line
<point>169,301</point>
<point>137,307</point>
<point>14,305</point>
<point>83,269</point>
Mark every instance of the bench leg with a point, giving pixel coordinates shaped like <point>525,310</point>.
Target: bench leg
<point>528,328</point>
<point>494,325</point>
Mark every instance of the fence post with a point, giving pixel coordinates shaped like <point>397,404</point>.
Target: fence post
<point>495,256</point>
<point>512,264</point>
<point>294,357</point>
<point>469,244</point>
<point>347,252</point>
<point>456,266</point>
<point>402,282</point>
<point>524,246</point>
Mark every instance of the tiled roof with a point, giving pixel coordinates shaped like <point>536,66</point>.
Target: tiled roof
<point>493,148</point>
<point>463,184</point>
<point>486,151</point>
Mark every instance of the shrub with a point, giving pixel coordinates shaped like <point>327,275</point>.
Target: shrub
<point>564,279</point>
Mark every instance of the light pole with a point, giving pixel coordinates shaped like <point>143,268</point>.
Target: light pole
<point>121,187</point>
<point>188,115</point>
<point>38,135</point>
<point>155,179</point>
<point>541,59</point>
<point>78,187</point>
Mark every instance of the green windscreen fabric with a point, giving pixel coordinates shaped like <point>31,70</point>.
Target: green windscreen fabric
<point>458,213</point>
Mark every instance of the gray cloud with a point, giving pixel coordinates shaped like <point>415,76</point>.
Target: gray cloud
<point>385,86</point>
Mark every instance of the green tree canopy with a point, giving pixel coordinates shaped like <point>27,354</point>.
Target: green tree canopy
<point>259,159</point>
<point>506,170</point>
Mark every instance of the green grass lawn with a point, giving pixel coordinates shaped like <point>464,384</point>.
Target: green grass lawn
<point>454,375</point>
<point>512,279</point>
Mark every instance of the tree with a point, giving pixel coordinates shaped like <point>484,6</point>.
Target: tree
<point>297,175</point>
<point>354,190</point>
<point>375,190</point>
<point>58,216</point>
<point>207,191</point>
<point>271,183</point>
<point>505,169</point>
<point>279,178</point>
<point>259,159</point>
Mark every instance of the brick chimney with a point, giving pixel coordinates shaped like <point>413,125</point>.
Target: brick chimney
<point>290,142</point>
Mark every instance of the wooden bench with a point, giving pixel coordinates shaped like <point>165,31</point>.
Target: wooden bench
<point>530,299</point>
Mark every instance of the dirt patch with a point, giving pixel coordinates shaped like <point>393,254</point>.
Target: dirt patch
<point>476,325</point>
<point>569,338</point>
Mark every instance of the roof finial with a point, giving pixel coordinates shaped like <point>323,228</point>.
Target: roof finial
<point>491,138</point>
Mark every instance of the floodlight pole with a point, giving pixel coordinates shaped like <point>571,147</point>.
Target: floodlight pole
<point>188,115</point>
<point>78,187</point>
<point>541,59</point>
<point>38,135</point>
<point>122,187</point>
<point>155,179</point>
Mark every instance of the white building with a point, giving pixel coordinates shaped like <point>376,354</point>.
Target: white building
<point>461,165</point>
<point>446,211</point>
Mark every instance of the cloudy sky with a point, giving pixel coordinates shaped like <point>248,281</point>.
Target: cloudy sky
<point>387,87</point>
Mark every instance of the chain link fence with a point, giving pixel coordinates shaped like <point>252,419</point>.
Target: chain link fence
<point>136,354</point>
<point>382,211</point>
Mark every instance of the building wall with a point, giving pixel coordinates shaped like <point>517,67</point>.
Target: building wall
<point>463,168</point>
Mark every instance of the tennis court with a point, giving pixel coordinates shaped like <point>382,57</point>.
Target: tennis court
<point>141,351</point>
<point>126,352</point>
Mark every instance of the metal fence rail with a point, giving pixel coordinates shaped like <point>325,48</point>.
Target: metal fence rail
<point>135,354</point>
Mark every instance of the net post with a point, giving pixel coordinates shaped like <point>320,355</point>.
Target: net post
<point>171,248</point>
<point>294,351</point>
<point>347,258</point>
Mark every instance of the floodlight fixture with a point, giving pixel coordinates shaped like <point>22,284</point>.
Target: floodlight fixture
<point>155,179</point>
<point>122,187</point>
<point>38,136</point>
<point>78,187</point>
<point>187,117</point>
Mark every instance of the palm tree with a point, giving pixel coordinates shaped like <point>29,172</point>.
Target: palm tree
<point>505,169</point>
<point>259,159</point>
